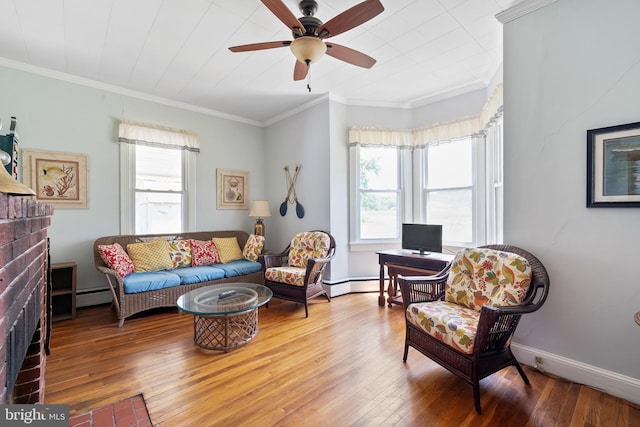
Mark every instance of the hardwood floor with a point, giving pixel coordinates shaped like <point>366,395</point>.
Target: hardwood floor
<point>342,366</point>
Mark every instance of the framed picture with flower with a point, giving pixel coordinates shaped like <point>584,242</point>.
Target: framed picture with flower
<point>232,189</point>
<point>59,179</point>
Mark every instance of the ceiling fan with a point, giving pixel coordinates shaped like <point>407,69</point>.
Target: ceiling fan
<point>309,32</point>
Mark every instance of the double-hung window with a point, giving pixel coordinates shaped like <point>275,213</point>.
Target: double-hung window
<point>379,192</point>
<point>157,179</point>
<point>449,198</point>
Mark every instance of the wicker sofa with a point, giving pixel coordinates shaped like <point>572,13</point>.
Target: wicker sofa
<point>128,304</point>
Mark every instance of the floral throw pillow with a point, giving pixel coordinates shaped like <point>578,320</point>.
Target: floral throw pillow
<point>203,252</point>
<point>253,248</point>
<point>180,253</point>
<point>116,258</point>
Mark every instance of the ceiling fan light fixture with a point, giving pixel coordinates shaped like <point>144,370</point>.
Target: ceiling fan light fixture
<point>308,49</point>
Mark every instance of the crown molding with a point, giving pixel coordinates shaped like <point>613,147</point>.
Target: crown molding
<point>520,9</point>
<point>296,110</point>
<point>122,91</point>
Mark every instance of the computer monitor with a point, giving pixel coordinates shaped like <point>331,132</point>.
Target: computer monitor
<point>422,237</point>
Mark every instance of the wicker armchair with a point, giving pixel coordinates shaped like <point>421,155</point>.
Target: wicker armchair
<point>464,332</point>
<point>296,273</point>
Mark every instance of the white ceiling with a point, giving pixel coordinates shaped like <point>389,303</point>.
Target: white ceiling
<point>177,50</point>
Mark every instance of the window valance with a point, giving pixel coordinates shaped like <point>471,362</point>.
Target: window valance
<point>415,138</point>
<point>158,136</point>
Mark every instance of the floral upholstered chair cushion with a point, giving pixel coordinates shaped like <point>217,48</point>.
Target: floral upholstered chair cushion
<point>304,246</point>
<point>481,276</point>
<point>290,275</point>
<point>447,322</point>
<point>308,245</point>
<point>477,277</point>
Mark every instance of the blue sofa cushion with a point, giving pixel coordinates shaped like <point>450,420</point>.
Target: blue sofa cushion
<point>201,273</point>
<point>149,281</point>
<point>239,267</point>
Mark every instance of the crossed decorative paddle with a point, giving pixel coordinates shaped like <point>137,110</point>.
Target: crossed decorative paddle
<point>291,188</point>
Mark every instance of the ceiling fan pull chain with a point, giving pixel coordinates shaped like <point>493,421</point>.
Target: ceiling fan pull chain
<point>308,75</point>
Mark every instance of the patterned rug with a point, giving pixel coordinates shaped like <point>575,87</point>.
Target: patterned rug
<point>131,412</point>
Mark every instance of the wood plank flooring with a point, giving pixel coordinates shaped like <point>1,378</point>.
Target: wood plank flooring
<point>340,367</point>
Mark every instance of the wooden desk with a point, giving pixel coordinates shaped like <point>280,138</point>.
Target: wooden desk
<point>408,263</point>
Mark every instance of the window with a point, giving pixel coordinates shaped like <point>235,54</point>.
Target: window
<point>378,193</point>
<point>456,183</point>
<point>449,190</point>
<point>157,178</point>
<point>159,190</point>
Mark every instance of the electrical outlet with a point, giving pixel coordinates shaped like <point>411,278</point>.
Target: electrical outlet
<point>538,363</point>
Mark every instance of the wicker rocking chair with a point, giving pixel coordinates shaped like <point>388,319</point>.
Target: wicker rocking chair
<point>296,273</point>
<point>464,317</point>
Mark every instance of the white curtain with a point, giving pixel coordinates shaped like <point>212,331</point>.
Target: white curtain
<point>158,136</point>
<point>442,132</point>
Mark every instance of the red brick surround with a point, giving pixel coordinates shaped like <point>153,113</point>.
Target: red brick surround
<point>23,272</point>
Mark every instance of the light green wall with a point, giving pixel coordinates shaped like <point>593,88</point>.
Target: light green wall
<point>60,116</point>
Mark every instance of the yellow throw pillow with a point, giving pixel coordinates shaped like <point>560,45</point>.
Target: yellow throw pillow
<point>150,256</point>
<point>228,249</point>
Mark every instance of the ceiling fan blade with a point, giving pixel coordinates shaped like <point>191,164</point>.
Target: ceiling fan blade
<point>350,55</point>
<point>259,46</point>
<point>282,12</point>
<point>350,18</point>
<point>300,71</point>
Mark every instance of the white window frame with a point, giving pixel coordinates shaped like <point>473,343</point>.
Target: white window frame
<point>486,198</point>
<point>477,193</point>
<point>495,181</point>
<point>128,188</point>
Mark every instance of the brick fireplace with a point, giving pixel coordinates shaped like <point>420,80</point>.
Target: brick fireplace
<point>23,307</point>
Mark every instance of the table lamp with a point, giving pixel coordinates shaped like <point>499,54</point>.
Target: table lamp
<point>259,209</point>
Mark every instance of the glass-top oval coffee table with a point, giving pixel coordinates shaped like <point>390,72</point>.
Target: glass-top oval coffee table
<point>225,316</point>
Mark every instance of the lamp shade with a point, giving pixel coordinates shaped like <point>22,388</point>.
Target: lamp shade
<point>308,49</point>
<point>260,209</point>
<point>9,185</point>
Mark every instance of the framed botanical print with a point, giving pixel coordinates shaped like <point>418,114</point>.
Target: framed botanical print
<point>232,189</point>
<point>59,179</point>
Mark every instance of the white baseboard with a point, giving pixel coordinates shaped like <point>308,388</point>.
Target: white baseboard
<point>348,287</point>
<point>90,297</point>
<point>612,383</point>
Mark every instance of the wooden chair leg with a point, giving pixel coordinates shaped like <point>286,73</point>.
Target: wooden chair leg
<point>521,372</point>
<point>476,397</point>
<point>406,350</point>
<point>306,309</point>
